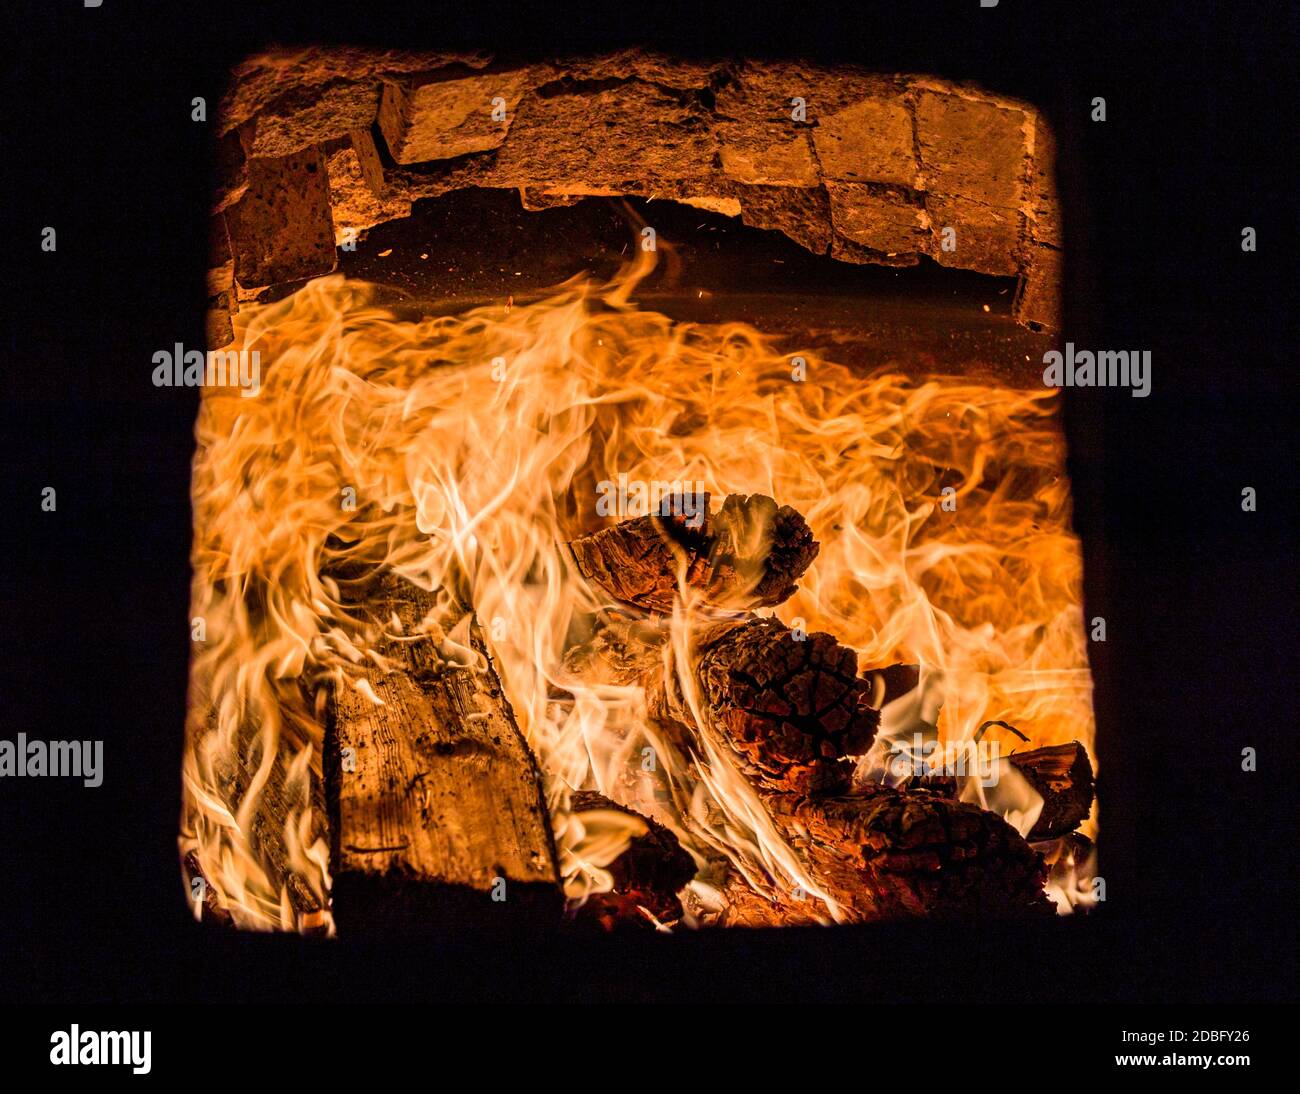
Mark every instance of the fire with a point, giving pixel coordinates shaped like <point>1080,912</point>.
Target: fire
<point>464,451</point>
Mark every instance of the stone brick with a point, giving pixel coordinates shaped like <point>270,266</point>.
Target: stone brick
<point>887,219</point>
<point>971,148</point>
<point>873,173</point>
<point>1045,218</point>
<point>536,200</point>
<point>221,264</point>
<point>783,163</point>
<point>802,214</point>
<point>988,239</point>
<point>649,67</point>
<point>312,115</point>
<point>231,170</point>
<point>220,286</point>
<point>281,229</point>
<point>436,117</point>
<point>630,136</point>
<point>760,139</point>
<point>845,250</point>
<point>261,79</point>
<point>760,92</point>
<point>870,141</point>
<point>726,206</point>
<point>1038,302</point>
<point>370,162</point>
<point>354,207</point>
<point>218,327</point>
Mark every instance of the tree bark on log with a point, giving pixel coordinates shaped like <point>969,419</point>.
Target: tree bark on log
<point>748,554</point>
<point>438,817</point>
<point>791,706</point>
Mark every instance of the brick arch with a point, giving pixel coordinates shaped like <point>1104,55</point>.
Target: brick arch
<point>863,167</point>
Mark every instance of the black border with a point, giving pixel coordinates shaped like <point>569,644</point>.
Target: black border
<point>1199,596</point>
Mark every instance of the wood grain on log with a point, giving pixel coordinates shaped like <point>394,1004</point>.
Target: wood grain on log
<point>441,821</point>
<point>748,554</point>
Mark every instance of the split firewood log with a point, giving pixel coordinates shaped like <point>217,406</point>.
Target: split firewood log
<point>236,774</point>
<point>207,906</point>
<point>748,554</point>
<point>647,876</point>
<point>436,806</point>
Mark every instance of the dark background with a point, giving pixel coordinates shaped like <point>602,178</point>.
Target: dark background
<point>1199,597</point>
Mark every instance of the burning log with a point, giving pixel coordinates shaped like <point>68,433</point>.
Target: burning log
<point>891,682</point>
<point>748,554</point>
<point>208,908</point>
<point>279,798</point>
<point>890,853</point>
<point>791,706</point>
<point>618,650</point>
<point>647,876</point>
<point>791,710</point>
<point>436,804</point>
<point>1062,774</point>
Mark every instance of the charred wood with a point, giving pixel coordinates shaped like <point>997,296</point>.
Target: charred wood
<point>278,801</point>
<point>748,554</point>
<point>891,853</point>
<point>647,876</point>
<point>1060,774</point>
<point>792,706</point>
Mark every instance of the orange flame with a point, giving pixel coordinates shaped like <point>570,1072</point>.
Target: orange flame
<point>465,450</point>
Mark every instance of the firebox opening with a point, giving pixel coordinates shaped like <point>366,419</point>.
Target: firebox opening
<point>651,514</point>
<point>924,316</point>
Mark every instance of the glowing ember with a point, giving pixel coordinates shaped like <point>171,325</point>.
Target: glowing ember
<point>466,451</point>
